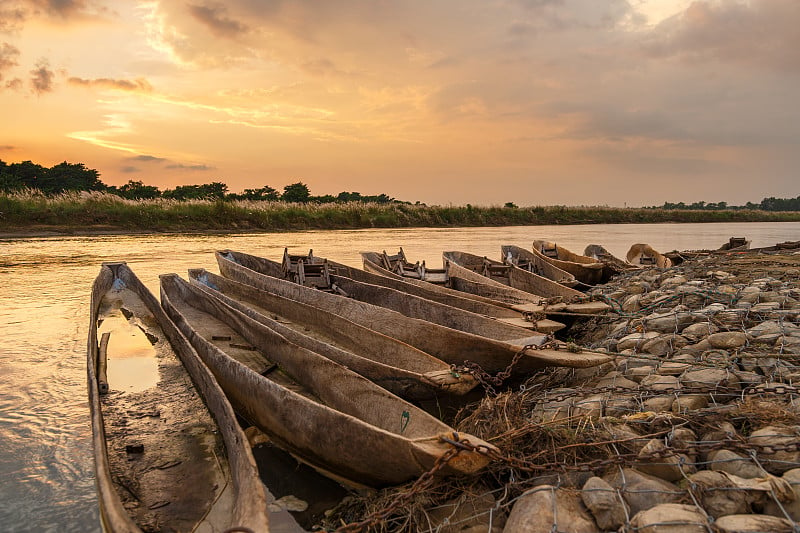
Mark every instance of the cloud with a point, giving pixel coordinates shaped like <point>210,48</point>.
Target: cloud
<point>42,78</point>
<point>147,158</point>
<point>180,166</point>
<point>7,148</point>
<point>759,33</point>
<point>14,85</point>
<point>61,8</point>
<point>215,19</point>
<point>137,85</point>
<point>8,57</point>
<point>129,169</point>
<point>12,18</point>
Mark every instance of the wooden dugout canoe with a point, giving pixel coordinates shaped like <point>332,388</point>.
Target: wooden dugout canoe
<point>612,264</point>
<point>407,304</point>
<point>519,287</point>
<point>644,255</point>
<point>169,455</point>
<point>375,274</point>
<point>527,260</point>
<point>399,265</point>
<point>585,269</point>
<point>396,366</point>
<point>443,295</point>
<point>450,345</point>
<point>328,416</point>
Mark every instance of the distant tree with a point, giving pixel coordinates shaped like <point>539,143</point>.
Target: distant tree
<point>208,191</point>
<point>71,177</point>
<point>136,190</point>
<point>296,192</point>
<point>511,205</point>
<point>265,193</point>
<point>25,174</point>
<point>324,199</point>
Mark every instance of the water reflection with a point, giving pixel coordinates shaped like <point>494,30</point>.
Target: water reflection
<point>46,466</point>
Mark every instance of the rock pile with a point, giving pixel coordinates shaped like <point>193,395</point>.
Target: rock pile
<point>695,426</point>
<point>708,352</point>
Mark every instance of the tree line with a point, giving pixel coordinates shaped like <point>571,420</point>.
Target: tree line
<point>65,177</point>
<point>767,204</point>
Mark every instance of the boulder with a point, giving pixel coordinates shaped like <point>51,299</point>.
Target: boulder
<point>642,491</point>
<point>657,382</point>
<point>605,504</point>
<point>667,467</point>
<point>775,461</point>
<point>635,340</point>
<point>689,402</point>
<point>733,463</point>
<point>659,404</point>
<point>699,330</point>
<point>664,345</point>
<point>470,510</point>
<point>670,518</point>
<point>728,340</point>
<point>545,509</point>
<point>792,507</point>
<point>717,494</point>
<point>709,378</point>
<point>753,523</point>
<point>632,303</point>
<point>673,368</point>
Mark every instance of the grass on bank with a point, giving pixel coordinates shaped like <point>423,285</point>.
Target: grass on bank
<point>76,210</point>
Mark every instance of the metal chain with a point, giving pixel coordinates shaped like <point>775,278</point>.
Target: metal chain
<point>779,389</point>
<point>488,381</point>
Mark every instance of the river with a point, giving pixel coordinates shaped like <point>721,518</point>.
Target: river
<point>46,480</point>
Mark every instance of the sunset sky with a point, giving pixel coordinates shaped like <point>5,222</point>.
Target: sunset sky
<point>539,102</point>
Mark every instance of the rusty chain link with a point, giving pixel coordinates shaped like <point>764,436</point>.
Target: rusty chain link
<point>488,381</point>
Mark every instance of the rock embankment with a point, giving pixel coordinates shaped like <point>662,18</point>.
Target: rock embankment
<point>695,425</point>
<point>699,403</point>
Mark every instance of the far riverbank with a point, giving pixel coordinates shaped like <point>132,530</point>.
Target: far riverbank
<point>28,215</point>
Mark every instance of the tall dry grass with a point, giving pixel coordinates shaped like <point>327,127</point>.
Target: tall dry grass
<point>74,210</point>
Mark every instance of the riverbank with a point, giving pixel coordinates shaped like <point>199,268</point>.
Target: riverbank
<point>695,422</point>
<point>25,215</point>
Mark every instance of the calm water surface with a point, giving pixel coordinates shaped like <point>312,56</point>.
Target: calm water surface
<point>46,480</point>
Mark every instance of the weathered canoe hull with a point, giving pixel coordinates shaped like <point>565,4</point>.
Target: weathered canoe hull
<point>353,429</point>
<point>585,269</point>
<point>644,255</point>
<point>398,367</point>
<point>445,295</point>
<point>519,291</point>
<point>452,346</point>
<point>612,265</point>
<point>249,500</point>
<point>537,265</point>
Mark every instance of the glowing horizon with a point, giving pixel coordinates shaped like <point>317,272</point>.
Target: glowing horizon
<point>532,101</point>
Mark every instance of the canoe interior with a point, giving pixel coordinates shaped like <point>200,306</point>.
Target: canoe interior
<point>163,462</point>
<point>450,345</point>
<point>437,293</point>
<point>395,365</point>
<point>644,255</point>
<point>355,429</point>
<point>527,260</point>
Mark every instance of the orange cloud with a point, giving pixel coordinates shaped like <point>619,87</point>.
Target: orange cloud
<point>137,85</point>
